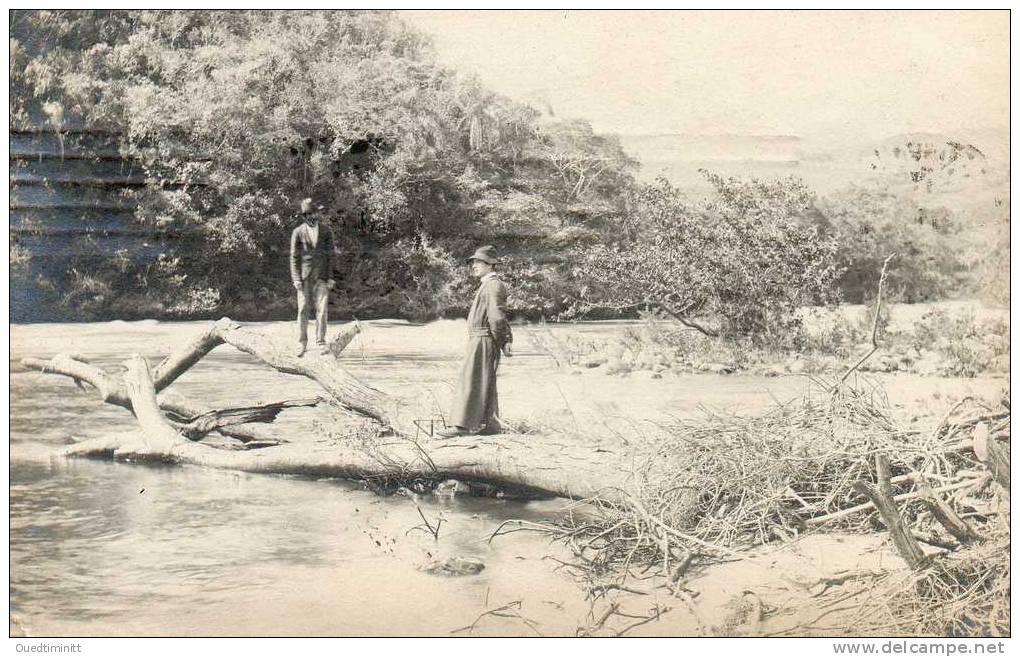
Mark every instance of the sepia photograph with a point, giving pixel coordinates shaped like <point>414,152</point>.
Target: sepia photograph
<point>510,323</point>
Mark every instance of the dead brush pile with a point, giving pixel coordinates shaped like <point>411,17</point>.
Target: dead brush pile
<point>713,487</point>
<point>963,593</point>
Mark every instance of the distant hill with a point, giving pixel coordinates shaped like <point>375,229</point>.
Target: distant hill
<point>678,157</point>
<point>959,172</point>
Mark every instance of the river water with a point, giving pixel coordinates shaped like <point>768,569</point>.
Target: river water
<point>104,549</point>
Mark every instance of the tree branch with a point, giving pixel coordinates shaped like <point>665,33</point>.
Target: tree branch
<point>874,327</point>
<point>686,321</point>
<point>884,501</point>
<point>340,385</point>
<point>198,426</point>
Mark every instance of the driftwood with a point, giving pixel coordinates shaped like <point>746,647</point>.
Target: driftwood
<point>882,498</point>
<point>191,418</point>
<point>994,455</point>
<point>341,386</point>
<point>815,521</point>
<point>947,516</point>
<point>201,425</point>
<point>543,465</point>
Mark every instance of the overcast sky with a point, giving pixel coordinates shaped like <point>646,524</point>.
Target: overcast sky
<point>844,76</point>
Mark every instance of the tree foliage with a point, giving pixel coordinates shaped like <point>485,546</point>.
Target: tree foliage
<point>870,224</point>
<point>235,116</point>
<point>746,257</point>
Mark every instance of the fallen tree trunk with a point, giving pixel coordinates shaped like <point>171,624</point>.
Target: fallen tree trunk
<point>157,437</point>
<point>544,465</point>
<point>337,382</point>
<point>111,390</point>
<point>341,385</point>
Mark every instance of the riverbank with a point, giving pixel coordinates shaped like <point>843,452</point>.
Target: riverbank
<point>413,362</point>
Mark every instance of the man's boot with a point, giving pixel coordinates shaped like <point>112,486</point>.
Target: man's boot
<point>300,351</point>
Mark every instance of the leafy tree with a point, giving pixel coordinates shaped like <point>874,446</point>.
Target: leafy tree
<point>745,258</point>
<point>235,116</point>
<point>869,224</point>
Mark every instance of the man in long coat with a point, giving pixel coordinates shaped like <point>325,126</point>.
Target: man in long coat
<point>476,409</point>
<point>311,272</point>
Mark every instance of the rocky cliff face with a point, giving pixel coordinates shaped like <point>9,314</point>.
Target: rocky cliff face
<point>932,163</point>
<point>946,177</point>
<point>69,210</point>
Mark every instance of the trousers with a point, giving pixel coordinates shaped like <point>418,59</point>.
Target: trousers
<point>313,292</point>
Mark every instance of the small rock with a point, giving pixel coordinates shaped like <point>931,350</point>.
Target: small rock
<point>796,366</point>
<point>593,360</point>
<point>774,370</point>
<point>929,364</point>
<point>719,368</point>
<point>455,567</point>
<point>646,374</point>
<point>617,366</point>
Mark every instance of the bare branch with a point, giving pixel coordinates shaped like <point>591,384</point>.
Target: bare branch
<point>874,327</point>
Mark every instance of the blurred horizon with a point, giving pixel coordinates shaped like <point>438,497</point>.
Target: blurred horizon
<point>764,93</point>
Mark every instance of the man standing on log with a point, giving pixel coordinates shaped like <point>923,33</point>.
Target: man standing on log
<point>476,410</point>
<point>311,271</point>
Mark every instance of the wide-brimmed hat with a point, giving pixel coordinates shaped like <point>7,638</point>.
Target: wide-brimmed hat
<point>308,206</point>
<point>485,254</point>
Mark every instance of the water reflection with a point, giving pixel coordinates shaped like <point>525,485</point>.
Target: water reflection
<point>101,548</point>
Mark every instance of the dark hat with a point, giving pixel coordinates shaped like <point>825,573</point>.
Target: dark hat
<point>485,254</point>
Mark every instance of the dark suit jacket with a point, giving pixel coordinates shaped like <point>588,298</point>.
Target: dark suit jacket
<point>308,261</point>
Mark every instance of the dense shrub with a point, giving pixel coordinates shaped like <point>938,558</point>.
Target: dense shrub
<point>234,116</point>
<point>869,224</point>
<point>966,345</point>
<point>746,257</point>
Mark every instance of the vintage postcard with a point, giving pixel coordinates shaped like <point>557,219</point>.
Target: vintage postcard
<point>518,323</point>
